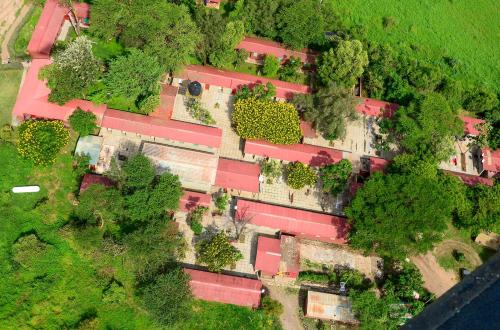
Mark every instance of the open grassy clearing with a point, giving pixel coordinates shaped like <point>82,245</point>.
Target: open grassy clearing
<point>10,78</point>
<point>466,31</point>
<point>24,35</point>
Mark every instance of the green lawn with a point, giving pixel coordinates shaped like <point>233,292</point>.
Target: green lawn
<point>24,36</point>
<point>10,78</point>
<point>464,30</point>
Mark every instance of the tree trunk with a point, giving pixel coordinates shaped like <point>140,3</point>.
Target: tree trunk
<point>74,21</point>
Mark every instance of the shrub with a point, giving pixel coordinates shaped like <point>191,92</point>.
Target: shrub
<point>198,112</point>
<point>221,202</point>
<point>258,91</point>
<point>290,70</point>
<point>300,175</point>
<point>335,176</point>
<point>315,277</point>
<point>271,169</point>
<point>83,122</point>
<point>40,140</point>
<point>217,252</point>
<point>149,104</point>
<point>271,307</point>
<point>271,66</point>
<point>276,122</point>
<point>195,217</point>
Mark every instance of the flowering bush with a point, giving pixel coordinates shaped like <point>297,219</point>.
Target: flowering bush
<point>41,141</point>
<point>197,111</point>
<point>300,175</point>
<point>276,122</point>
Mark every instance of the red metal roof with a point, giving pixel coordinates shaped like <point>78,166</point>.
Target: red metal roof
<point>47,29</point>
<point>472,180</point>
<point>90,179</point>
<point>264,46</point>
<point>191,199</point>
<point>225,288</point>
<point>470,125</point>
<point>307,224</point>
<point>82,9</point>
<point>305,153</point>
<point>491,160</point>
<point>234,174</point>
<point>163,128</point>
<point>372,107</point>
<point>378,164</point>
<point>307,129</point>
<point>268,255</point>
<point>234,80</point>
<point>167,102</point>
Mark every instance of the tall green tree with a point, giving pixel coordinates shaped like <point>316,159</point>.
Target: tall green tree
<point>217,252</point>
<point>343,65</point>
<point>261,17</point>
<point>72,72</point>
<point>329,110</point>
<point>138,173</point>
<point>482,210</point>
<point>83,122</point>
<point>334,176</point>
<point>271,66</point>
<point>300,24</point>
<point>224,54</point>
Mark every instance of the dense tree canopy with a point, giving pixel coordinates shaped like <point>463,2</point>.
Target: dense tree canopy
<point>83,122</point>
<point>401,214</point>
<point>343,65</point>
<point>217,252</point>
<point>334,176</point>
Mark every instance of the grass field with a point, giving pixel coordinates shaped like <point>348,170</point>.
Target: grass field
<point>10,79</point>
<point>463,30</point>
<point>24,35</point>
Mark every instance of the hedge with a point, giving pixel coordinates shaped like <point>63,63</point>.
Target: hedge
<point>276,122</point>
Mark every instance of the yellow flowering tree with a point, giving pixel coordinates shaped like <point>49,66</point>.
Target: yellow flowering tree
<point>276,122</point>
<point>41,140</point>
<point>300,175</point>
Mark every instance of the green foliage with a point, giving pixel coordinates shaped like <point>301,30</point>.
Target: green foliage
<point>271,169</point>
<point>149,104</point>
<point>290,70</point>
<point>334,177</point>
<point>27,250</point>
<point>300,175</point>
<point>299,24</point>
<point>372,312</point>
<point>271,66</point>
<point>328,110</point>
<point>404,282</point>
<point>271,307</point>
<point>83,122</point>
<point>197,111</point>
<point>160,28</point>
<point>168,297</point>
<point>426,127</point>
<point>224,54</point>
<point>72,72</point>
<point>315,277</point>
<point>480,100</point>
<point>221,202</point>
<point>195,217</point>
<point>401,214</point>
<point>258,91</point>
<point>20,45</point>
<point>276,122</point>
<point>40,141</point>
<point>138,172</point>
<point>343,65</point>
<point>217,252</point>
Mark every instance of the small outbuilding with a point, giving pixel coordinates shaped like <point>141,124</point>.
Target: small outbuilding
<point>326,306</point>
<point>278,256</point>
<point>90,179</point>
<point>90,145</point>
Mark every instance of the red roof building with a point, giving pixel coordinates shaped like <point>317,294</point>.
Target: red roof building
<point>376,108</point>
<point>162,128</point>
<point>304,153</point>
<point>234,174</point>
<point>258,48</point>
<point>234,80</point>
<point>90,179</point>
<point>192,199</point>
<point>306,224</point>
<point>277,256</point>
<point>307,130</point>
<point>491,160</point>
<point>378,164</point>
<point>471,125</point>
<point>225,288</point>
<point>472,180</point>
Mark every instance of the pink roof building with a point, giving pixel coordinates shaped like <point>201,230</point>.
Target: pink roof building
<point>376,108</point>
<point>225,288</point>
<point>491,160</point>
<point>234,80</point>
<point>471,125</point>
<point>192,199</point>
<point>378,164</point>
<point>472,180</point>
<point>234,174</point>
<point>90,179</point>
<point>277,256</point>
<point>258,47</point>
<point>304,153</point>
<point>306,224</point>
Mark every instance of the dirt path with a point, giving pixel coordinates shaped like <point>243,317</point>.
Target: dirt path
<point>436,279</point>
<point>10,22</point>
<point>446,247</point>
<point>290,318</point>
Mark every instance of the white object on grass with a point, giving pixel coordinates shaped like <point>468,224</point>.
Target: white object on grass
<point>25,189</point>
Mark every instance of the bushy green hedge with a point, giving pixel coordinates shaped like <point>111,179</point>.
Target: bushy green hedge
<point>300,175</point>
<point>276,122</point>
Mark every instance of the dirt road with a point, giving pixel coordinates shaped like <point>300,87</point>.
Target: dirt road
<point>436,279</point>
<point>290,318</point>
<point>9,21</point>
